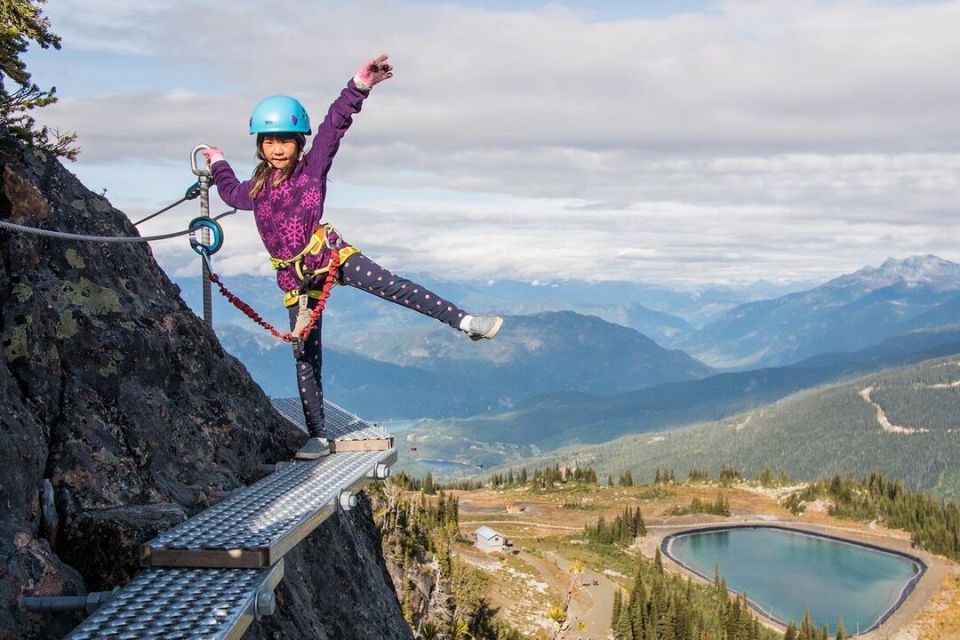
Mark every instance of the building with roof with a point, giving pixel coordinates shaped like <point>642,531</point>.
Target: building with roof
<point>490,541</point>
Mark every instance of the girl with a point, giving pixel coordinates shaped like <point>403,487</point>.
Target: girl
<point>286,194</point>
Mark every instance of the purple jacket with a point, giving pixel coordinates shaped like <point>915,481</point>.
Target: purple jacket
<point>288,215</point>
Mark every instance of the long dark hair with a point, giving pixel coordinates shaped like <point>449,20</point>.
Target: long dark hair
<point>264,169</point>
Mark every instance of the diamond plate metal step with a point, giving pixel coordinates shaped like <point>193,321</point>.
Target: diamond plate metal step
<point>346,431</point>
<point>168,604</point>
<point>259,524</point>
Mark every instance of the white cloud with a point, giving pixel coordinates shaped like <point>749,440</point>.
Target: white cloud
<point>758,140</point>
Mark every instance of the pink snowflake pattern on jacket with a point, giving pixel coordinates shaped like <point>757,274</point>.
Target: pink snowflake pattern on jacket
<point>287,215</point>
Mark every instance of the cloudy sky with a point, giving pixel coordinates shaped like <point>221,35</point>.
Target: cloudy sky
<point>667,141</point>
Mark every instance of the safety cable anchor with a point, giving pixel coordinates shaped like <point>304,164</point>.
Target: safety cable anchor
<point>216,233</point>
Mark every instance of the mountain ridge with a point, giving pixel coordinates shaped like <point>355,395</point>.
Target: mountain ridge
<point>548,422</point>
<point>433,371</point>
<point>847,313</point>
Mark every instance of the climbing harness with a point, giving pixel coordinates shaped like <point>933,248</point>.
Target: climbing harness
<point>319,241</point>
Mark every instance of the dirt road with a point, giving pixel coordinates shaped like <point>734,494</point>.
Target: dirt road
<point>591,607</point>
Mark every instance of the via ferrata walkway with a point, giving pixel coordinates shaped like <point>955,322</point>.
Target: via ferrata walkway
<point>212,575</point>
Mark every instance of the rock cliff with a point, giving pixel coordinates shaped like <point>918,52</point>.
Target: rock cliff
<point>121,415</point>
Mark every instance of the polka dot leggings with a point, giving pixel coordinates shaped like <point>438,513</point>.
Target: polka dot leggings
<point>363,273</point>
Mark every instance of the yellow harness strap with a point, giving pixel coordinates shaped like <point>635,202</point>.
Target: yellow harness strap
<point>318,241</point>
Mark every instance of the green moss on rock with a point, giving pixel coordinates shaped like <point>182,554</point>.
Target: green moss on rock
<point>19,344</point>
<point>74,260</point>
<point>92,298</point>
<point>67,327</point>
<point>110,369</point>
<point>22,292</point>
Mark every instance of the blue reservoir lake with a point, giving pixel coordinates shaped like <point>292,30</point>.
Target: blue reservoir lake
<point>783,572</point>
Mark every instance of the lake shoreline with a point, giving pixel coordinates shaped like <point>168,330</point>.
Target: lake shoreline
<point>919,566</point>
<point>938,568</point>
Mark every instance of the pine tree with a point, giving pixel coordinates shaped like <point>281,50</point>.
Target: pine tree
<point>807,629</point>
<point>841,631</point>
<point>428,487</point>
<point>637,526</point>
<point>791,633</point>
<point>623,628</point>
<point>23,22</point>
<point>617,606</point>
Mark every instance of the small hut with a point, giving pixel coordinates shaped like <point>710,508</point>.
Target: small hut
<point>489,540</point>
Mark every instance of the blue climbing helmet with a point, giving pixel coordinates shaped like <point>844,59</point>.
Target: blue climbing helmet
<point>279,114</point>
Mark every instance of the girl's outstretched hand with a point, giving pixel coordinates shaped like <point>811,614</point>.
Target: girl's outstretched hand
<point>375,71</point>
<point>212,154</point>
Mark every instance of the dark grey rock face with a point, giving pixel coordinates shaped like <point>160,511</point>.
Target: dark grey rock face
<point>118,395</point>
<point>336,585</point>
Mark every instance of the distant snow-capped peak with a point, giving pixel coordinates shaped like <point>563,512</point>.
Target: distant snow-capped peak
<point>928,270</point>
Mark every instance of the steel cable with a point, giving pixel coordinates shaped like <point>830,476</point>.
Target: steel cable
<point>60,235</point>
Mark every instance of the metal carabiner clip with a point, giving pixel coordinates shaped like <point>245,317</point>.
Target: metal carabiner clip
<point>200,223</point>
<point>197,169</point>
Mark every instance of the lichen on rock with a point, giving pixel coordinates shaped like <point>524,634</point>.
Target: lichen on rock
<point>75,260</point>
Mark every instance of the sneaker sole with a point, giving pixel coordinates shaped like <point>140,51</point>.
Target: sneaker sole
<point>311,456</point>
<point>492,333</point>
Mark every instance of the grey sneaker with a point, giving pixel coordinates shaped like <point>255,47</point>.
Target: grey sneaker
<point>479,327</point>
<point>313,449</point>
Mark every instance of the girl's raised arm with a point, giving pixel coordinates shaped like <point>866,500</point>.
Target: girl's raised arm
<point>340,115</point>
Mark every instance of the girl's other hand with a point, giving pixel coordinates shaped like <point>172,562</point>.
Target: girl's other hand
<point>375,71</point>
<point>212,154</point>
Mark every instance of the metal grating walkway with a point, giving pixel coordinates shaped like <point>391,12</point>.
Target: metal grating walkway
<point>169,604</point>
<point>257,526</point>
<point>346,431</point>
<point>223,564</point>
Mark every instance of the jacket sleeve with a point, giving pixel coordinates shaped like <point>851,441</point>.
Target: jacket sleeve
<point>235,193</point>
<point>338,119</point>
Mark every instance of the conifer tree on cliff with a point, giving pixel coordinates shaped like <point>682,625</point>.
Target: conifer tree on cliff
<point>22,22</point>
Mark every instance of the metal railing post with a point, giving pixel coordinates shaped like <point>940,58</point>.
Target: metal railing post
<point>203,176</point>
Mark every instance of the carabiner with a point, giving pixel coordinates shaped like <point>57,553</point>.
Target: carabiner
<point>194,166</point>
<point>193,191</point>
<point>216,230</point>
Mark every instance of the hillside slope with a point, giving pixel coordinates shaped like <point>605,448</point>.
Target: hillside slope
<point>902,422</point>
<point>553,421</point>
